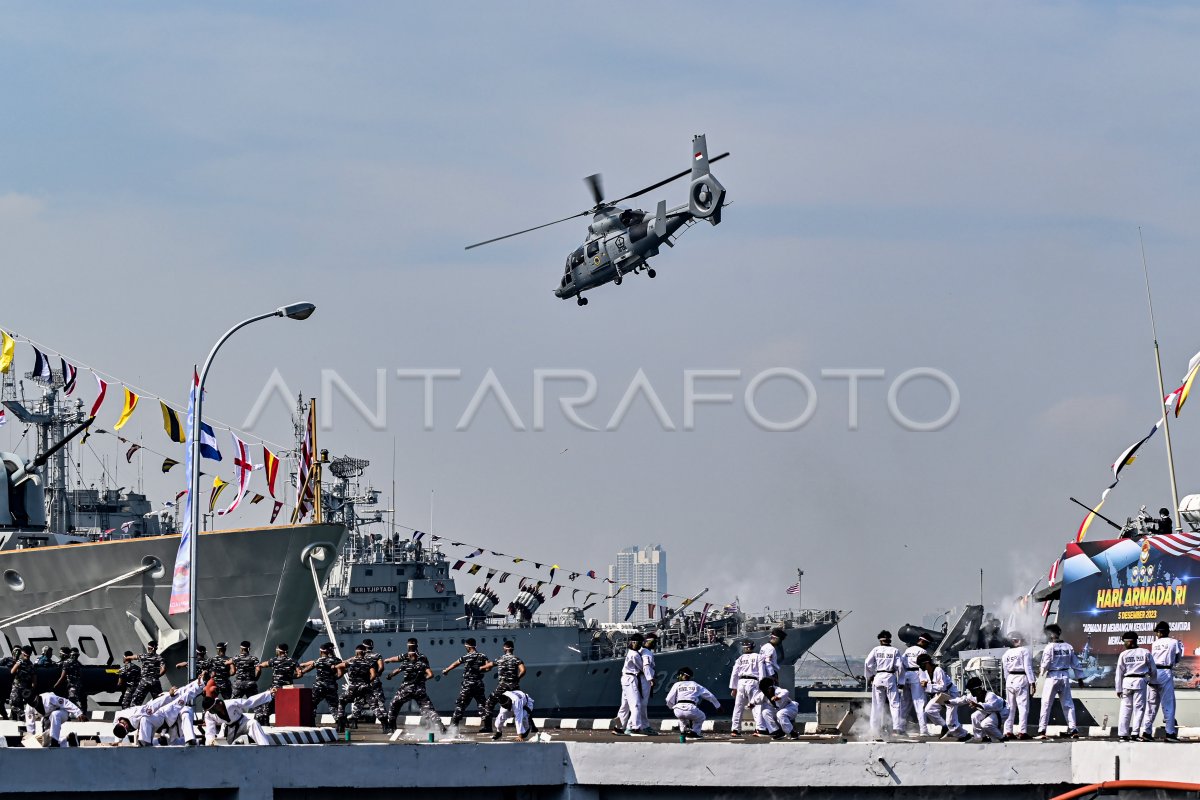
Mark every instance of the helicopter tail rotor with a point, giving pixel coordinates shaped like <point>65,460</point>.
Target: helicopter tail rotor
<point>596,185</point>
<point>706,195</point>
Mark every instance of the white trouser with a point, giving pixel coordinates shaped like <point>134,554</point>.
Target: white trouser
<point>1058,684</point>
<point>1017,697</point>
<point>1133,706</point>
<point>630,713</point>
<point>780,718</point>
<point>180,730</point>
<point>690,716</point>
<point>746,687</point>
<point>913,697</point>
<point>247,725</point>
<point>985,726</point>
<point>54,721</point>
<point>1161,694</point>
<point>520,718</point>
<point>885,694</point>
<point>934,713</point>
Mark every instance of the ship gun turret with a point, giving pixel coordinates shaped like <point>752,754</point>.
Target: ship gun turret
<point>480,605</point>
<point>22,501</point>
<point>527,601</point>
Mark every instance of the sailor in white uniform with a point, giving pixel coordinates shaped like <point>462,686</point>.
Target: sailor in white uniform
<point>519,706</point>
<point>55,711</point>
<point>988,712</point>
<point>629,716</point>
<point>233,714</point>
<point>1019,684</point>
<point>884,670</point>
<point>1135,667</point>
<point>648,673</point>
<point>778,709</point>
<point>743,683</point>
<point>941,690</point>
<point>684,701</point>
<point>136,720</point>
<point>1166,652</point>
<point>1059,663</point>
<point>770,653</point>
<point>912,692</point>
<point>176,717</point>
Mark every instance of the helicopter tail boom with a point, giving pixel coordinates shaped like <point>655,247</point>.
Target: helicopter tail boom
<point>706,195</point>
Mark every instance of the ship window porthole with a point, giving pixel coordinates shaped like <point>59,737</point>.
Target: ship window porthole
<point>538,674</point>
<point>451,641</point>
<point>13,580</point>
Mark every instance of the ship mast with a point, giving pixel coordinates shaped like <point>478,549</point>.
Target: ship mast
<point>1161,391</point>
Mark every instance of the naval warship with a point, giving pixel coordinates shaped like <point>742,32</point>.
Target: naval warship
<point>91,568</point>
<point>389,587</point>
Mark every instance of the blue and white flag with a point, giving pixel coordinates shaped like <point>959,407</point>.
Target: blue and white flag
<point>181,601</point>
<point>208,441</point>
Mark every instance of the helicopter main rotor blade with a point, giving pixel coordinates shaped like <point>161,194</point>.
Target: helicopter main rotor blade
<point>527,230</point>
<point>596,184</point>
<point>651,188</point>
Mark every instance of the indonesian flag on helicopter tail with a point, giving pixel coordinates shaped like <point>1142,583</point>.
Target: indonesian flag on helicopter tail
<point>699,155</point>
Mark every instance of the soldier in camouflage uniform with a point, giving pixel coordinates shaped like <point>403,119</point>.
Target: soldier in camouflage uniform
<point>6,665</point>
<point>378,701</point>
<point>245,673</point>
<point>472,663</point>
<point>23,679</point>
<point>329,668</point>
<point>219,669</point>
<point>361,672</point>
<point>284,671</point>
<point>415,668</point>
<point>509,671</point>
<point>153,669</point>
<point>72,676</point>
<point>128,678</point>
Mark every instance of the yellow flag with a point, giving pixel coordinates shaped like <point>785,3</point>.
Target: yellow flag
<point>131,401</point>
<point>7,345</point>
<point>1183,393</point>
<point>218,485</point>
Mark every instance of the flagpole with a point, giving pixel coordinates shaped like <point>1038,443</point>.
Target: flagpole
<point>1161,390</point>
<point>294,311</point>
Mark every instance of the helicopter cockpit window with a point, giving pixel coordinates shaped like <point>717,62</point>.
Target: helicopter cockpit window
<point>593,248</point>
<point>638,231</point>
<point>575,259</point>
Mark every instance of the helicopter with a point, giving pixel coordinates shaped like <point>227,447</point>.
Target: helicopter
<point>622,240</point>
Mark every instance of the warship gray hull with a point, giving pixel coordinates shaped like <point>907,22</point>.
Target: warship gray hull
<point>253,584</point>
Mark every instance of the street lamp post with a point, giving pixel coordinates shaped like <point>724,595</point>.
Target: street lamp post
<point>293,311</point>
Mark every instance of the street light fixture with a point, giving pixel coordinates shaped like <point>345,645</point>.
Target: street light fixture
<point>292,311</point>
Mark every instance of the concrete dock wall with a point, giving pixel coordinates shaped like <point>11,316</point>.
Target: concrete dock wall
<point>590,771</point>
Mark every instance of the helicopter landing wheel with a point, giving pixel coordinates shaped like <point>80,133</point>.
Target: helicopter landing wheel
<point>582,300</point>
<point>617,280</point>
<point>651,273</point>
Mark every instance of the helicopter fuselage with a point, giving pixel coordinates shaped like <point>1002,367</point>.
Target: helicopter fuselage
<point>619,241</point>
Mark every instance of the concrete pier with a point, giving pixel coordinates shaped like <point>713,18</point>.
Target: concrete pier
<point>593,770</point>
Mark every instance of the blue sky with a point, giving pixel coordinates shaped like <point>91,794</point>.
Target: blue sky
<point>955,186</point>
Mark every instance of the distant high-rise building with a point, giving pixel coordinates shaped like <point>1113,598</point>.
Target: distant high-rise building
<point>644,568</point>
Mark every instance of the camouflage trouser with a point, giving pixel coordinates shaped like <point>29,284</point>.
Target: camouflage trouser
<point>415,693</point>
<point>378,701</point>
<point>357,694</point>
<point>19,698</point>
<point>152,688</point>
<point>75,695</point>
<point>225,690</point>
<point>471,690</point>
<point>127,696</point>
<point>243,688</point>
<point>493,698</point>
<point>327,692</point>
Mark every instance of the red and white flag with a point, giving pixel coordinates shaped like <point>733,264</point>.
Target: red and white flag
<point>244,468</point>
<point>102,387</point>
